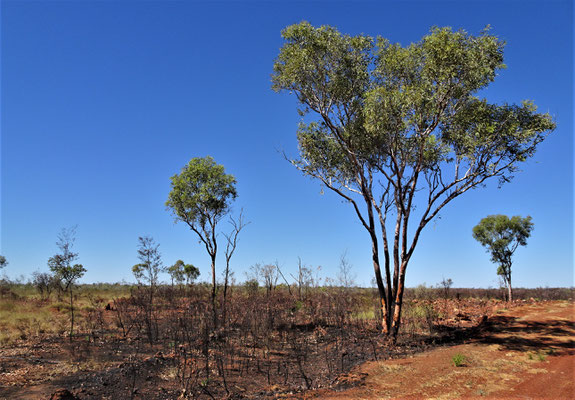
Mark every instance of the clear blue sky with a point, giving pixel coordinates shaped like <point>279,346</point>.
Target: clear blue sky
<point>103,101</point>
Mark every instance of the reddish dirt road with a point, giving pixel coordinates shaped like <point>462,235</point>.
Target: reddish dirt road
<point>525,353</point>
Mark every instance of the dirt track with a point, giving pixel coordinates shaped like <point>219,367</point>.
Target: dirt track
<point>525,353</point>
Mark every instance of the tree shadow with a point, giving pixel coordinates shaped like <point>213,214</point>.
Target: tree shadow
<point>512,333</point>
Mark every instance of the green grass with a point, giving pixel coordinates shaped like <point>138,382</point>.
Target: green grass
<point>21,319</point>
<point>24,315</point>
<point>539,356</point>
<point>458,360</point>
<point>363,315</point>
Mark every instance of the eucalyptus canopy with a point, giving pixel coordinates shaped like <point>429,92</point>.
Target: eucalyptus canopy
<point>501,236</point>
<point>181,272</point>
<point>387,127</point>
<point>62,264</point>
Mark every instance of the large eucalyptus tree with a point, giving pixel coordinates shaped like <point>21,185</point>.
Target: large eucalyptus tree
<point>388,127</point>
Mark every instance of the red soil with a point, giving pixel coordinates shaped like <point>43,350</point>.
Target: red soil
<point>525,353</point>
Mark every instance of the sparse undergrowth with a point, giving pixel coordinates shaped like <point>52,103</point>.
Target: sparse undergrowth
<point>269,338</point>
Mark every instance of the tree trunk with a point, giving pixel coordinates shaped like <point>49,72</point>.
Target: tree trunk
<point>214,309</point>
<point>509,289</point>
<point>225,299</point>
<point>378,279</point>
<point>153,325</point>
<point>71,314</point>
<point>389,287</point>
<point>396,322</point>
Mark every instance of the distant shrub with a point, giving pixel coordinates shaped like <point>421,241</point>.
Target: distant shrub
<point>251,286</point>
<point>422,292</point>
<point>44,283</point>
<point>444,286</point>
<point>297,306</point>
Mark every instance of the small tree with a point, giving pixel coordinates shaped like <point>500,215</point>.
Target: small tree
<point>445,285</point>
<point>346,276</point>
<point>151,262</point>
<point>44,283</point>
<point>61,265</point>
<point>232,243</point>
<point>191,273</point>
<point>201,195</point>
<point>180,272</point>
<point>266,274</point>
<point>176,272</point>
<point>304,279</point>
<point>501,236</point>
<point>146,273</point>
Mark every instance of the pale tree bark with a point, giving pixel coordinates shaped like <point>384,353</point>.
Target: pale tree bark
<point>510,290</point>
<point>507,278</point>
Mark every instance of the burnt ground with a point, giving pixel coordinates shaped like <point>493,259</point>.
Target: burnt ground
<point>525,350</point>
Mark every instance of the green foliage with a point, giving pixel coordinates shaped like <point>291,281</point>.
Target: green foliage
<point>146,272</point>
<point>191,273</point>
<point>364,315</point>
<point>540,356</point>
<point>421,316</point>
<point>417,104</point>
<point>501,236</point>
<point>251,286</point>
<point>423,292</point>
<point>3,262</point>
<point>61,264</point>
<point>44,283</point>
<point>176,271</point>
<point>64,271</point>
<point>386,124</point>
<point>70,274</point>
<point>23,318</point>
<point>181,272</point>
<point>297,306</point>
<point>201,193</point>
<point>458,360</point>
